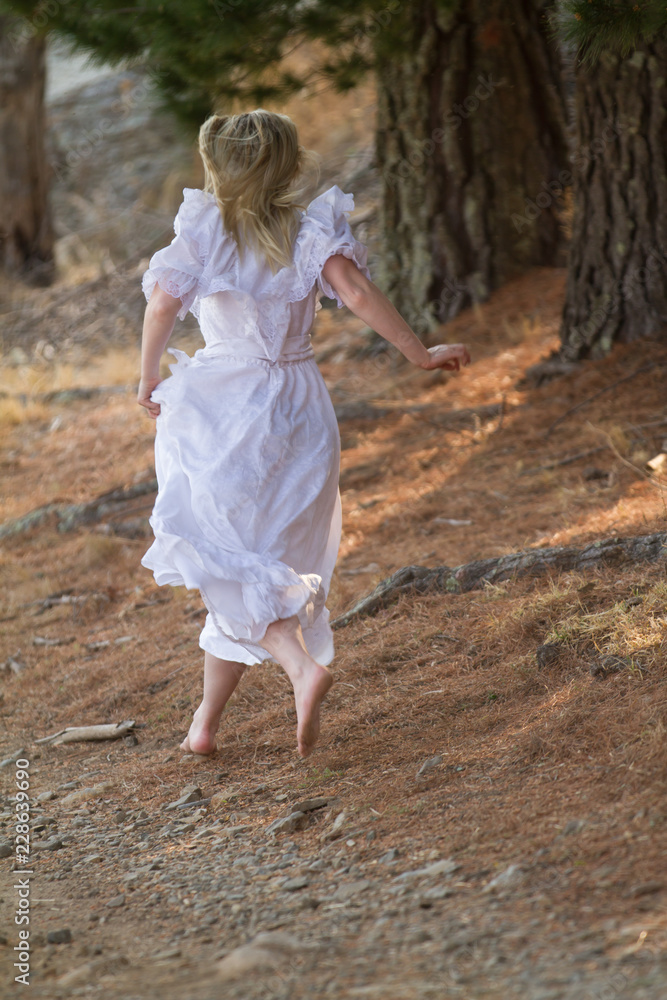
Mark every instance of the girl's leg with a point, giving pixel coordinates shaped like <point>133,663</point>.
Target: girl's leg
<point>311,681</point>
<point>220,680</point>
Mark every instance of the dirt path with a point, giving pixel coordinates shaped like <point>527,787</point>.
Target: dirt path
<point>154,898</point>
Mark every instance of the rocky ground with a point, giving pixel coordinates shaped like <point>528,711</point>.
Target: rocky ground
<point>209,895</point>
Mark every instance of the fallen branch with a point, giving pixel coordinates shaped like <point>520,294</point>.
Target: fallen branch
<point>534,562</point>
<point>73,734</point>
<point>69,516</point>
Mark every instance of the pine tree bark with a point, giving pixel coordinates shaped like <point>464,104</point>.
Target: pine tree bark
<point>471,126</point>
<point>26,237</point>
<point>616,287</point>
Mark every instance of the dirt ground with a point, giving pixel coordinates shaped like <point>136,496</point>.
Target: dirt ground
<point>487,800</point>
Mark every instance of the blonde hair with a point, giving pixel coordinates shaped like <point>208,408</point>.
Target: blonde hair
<point>252,163</point>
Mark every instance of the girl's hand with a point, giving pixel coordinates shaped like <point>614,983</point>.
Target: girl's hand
<point>146,387</point>
<point>449,356</point>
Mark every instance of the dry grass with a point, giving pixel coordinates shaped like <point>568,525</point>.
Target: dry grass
<point>114,367</point>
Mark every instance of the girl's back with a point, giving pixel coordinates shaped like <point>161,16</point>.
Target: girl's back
<point>235,294</point>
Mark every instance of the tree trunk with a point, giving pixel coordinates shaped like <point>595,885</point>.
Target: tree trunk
<point>616,287</point>
<point>26,240</point>
<point>471,126</point>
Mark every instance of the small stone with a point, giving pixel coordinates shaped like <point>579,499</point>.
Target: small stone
<point>294,884</point>
<point>120,816</point>
<point>336,829</point>
<point>436,892</point>
<point>63,936</point>
<point>84,794</point>
<point>165,956</point>
<point>511,877</point>
<point>349,889</point>
<point>46,796</point>
<point>8,761</point>
<point>191,793</point>
<point>389,857</point>
<point>227,832</point>
<point>429,765</point>
<point>444,867</point>
<point>115,902</point>
<point>281,797</point>
<point>574,826</point>
<point>6,850</point>
<point>264,953</point>
<point>288,824</point>
<point>52,844</point>
<point>310,805</point>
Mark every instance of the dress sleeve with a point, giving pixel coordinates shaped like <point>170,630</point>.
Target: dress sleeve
<point>331,234</point>
<point>178,267</point>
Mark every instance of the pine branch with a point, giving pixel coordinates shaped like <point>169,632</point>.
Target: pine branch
<point>209,53</point>
<point>614,26</point>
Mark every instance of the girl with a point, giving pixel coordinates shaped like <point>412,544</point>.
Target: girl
<point>247,446</point>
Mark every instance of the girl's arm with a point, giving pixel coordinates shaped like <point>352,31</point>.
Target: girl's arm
<point>366,301</point>
<point>159,319</point>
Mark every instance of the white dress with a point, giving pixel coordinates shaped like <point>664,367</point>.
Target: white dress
<point>247,446</point>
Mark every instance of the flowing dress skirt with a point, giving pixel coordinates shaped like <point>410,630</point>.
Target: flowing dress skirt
<point>248,510</point>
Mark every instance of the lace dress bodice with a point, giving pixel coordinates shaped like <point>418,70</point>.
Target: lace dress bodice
<point>242,307</point>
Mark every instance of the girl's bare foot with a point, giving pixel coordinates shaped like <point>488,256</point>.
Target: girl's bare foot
<point>201,735</point>
<point>220,680</point>
<point>311,681</point>
<point>309,692</point>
